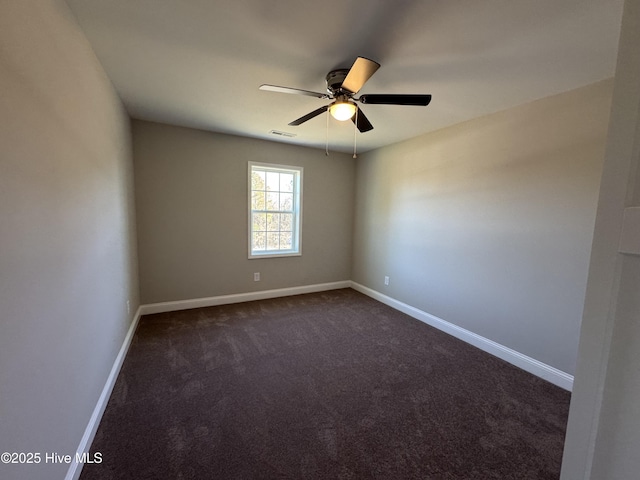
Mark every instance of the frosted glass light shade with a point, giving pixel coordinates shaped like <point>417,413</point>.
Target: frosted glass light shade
<point>342,110</point>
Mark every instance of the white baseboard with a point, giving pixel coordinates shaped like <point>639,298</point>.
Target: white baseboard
<point>90,432</point>
<point>531,365</point>
<point>240,297</point>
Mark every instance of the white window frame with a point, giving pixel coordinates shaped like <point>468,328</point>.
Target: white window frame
<point>296,249</point>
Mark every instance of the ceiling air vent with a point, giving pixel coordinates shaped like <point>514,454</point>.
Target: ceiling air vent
<point>282,134</point>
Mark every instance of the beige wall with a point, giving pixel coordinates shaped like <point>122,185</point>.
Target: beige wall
<point>67,244</point>
<point>488,224</point>
<point>191,200</point>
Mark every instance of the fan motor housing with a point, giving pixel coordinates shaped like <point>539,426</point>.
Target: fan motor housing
<point>334,81</point>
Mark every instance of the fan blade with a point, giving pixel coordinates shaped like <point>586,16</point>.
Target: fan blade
<point>360,72</point>
<point>361,121</point>
<point>419,100</point>
<point>309,116</point>
<point>296,91</point>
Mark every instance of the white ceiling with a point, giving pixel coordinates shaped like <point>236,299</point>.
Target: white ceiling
<point>199,63</point>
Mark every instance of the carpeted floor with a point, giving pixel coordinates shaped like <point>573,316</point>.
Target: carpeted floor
<point>331,385</point>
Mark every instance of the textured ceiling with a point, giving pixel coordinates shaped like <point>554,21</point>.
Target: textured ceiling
<point>199,63</point>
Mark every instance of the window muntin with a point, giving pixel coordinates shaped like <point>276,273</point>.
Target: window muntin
<point>274,210</point>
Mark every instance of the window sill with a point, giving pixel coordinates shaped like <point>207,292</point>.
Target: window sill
<point>253,256</point>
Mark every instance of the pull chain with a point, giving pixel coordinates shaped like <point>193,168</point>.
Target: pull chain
<point>327,141</point>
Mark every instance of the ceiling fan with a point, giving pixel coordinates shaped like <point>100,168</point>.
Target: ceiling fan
<point>342,85</point>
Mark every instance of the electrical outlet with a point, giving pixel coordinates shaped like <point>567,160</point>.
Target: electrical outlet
<point>128,308</point>
<point>386,280</point>
<point>256,277</point>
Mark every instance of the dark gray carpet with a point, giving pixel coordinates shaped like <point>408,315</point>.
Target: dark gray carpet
<point>332,385</point>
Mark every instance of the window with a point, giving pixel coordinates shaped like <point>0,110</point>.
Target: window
<point>275,208</point>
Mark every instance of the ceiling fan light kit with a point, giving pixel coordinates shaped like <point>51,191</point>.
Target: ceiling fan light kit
<point>342,109</point>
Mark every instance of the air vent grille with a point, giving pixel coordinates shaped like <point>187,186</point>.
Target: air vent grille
<point>282,134</point>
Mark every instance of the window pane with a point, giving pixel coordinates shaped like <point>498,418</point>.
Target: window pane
<point>259,221</point>
<point>273,201</point>
<point>257,200</point>
<point>273,181</point>
<point>273,222</point>
<point>286,201</point>
<point>273,241</point>
<point>259,241</point>
<point>286,222</point>
<point>285,241</point>
<point>286,182</point>
<point>257,180</point>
